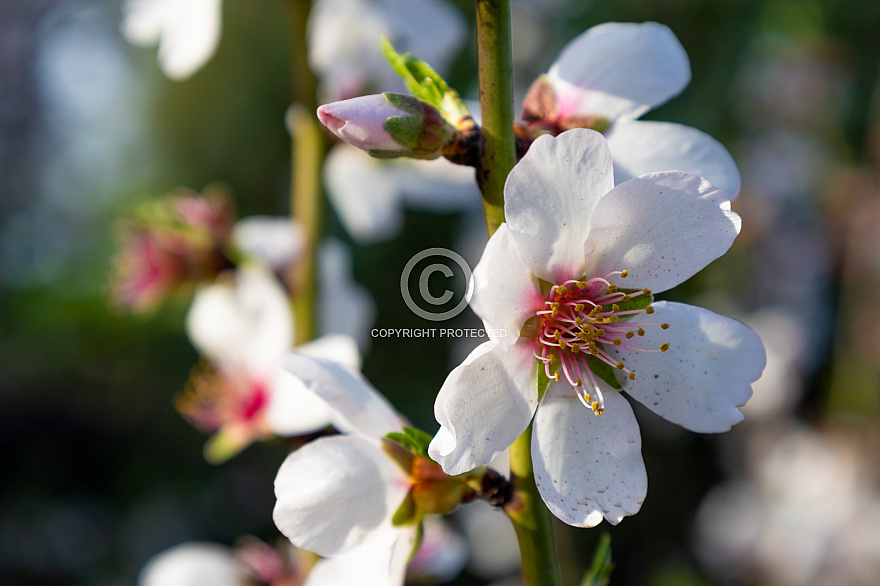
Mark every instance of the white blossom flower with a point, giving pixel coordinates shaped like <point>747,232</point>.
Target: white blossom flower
<point>344,35</point>
<point>338,496</point>
<point>563,289</point>
<point>275,240</point>
<point>369,195</point>
<point>192,564</point>
<point>245,329</point>
<point>766,524</point>
<point>612,74</point>
<point>251,563</point>
<point>187,32</point>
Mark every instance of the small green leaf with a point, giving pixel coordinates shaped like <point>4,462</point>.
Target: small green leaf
<point>406,130</point>
<point>413,440</point>
<point>599,573</point>
<point>426,84</point>
<point>420,79</point>
<point>543,382</point>
<point>419,440</point>
<point>406,513</point>
<point>640,301</point>
<point>603,370</point>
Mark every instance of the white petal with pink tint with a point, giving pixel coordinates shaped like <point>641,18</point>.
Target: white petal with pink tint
<point>549,199</point>
<point>619,70</point>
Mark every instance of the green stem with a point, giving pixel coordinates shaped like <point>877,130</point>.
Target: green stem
<point>496,102</point>
<point>307,158</point>
<point>531,519</point>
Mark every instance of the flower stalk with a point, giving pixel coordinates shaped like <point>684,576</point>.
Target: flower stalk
<point>496,102</point>
<point>530,517</point>
<point>307,158</point>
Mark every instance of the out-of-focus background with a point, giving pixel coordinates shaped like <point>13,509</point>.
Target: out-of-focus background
<point>100,472</point>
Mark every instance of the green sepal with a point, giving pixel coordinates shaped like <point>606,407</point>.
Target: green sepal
<point>406,130</point>
<point>407,513</point>
<point>413,440</point>
<point>425,83</point>
<point>599,573</point>
<point>639,302</point>
<point>603,370</point>
<point>543,382</point>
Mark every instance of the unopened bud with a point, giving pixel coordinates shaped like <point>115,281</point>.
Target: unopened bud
<point>389,125</point>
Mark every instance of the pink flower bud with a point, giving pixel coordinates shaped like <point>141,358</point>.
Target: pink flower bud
<point>389,125</point>
<point>361,122</point>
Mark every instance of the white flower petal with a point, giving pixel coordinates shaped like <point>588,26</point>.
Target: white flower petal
<point>549,199</point>
<point>588,466</point>
<point>357,407</point>
<point>436,186</point>
<point>191,564</point>
<point>434,30</point>
<point>334,492</point>
<point>485,404</point>
<point>364,196</point>
<point>662,228</point>
<point>706,373</point>
<point>274,240</point>
<point>343,40</point>
<point>506,293</point>
<point>188,32</point>
<point>640,147</point>
<point>378,561</point>
<point>247,326</point>
<point>619,70</point>
<point>345,306</point>
<point>336,347</point>
<point>293,409</point>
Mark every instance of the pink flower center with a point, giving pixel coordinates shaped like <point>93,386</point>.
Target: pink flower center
<point>578,320</point>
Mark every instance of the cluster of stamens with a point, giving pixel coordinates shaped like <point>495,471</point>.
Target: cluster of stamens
<point>578,320</point>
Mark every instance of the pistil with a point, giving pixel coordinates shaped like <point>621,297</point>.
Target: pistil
<point>578,320</point>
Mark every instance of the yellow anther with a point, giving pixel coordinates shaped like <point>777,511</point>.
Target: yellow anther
<point>641,332</point>
<point>600,332</point>
<point>649,310</point>
<point>620,365</point>
<point>575,348</point>
<point>615,308</point>
<point>552,358</point>
<point>557,334</point>
<point>623,274</point>
<point>617,341</point>
<point>597,409</point>
<point>579,307</point>
<point>664,347</point>
<point>561,290</point>
<point>582,284</point>
<point>578,322</point>
<point>629,335</point>
<point>664,326</point>
<point>614,319</point>
<point>563,345</point>
<point>626,298</point>
<point>587,397</point>
<point>631,376</point>
<point>556,376</point>
<point>646,291</point>
<point>593,349</point>
<point>611,289</point>
<point>579,383</point>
